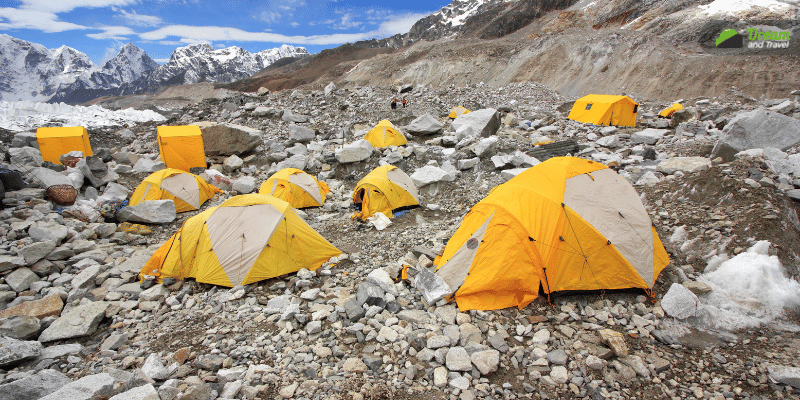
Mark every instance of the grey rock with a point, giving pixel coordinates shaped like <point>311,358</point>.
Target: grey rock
<point>485,121</point>
<point>649,136</point>
<point>679,302</point>
<point>244,185</point>
<point>498,343</point>
<point>12,262</point>
<point>21,279</point>
<point>25,139</point>
<point>793,194</point>
<point>381,278</point>
<point>146,165</point>
<point>757,129</point>
<point>35,386</point>
<point>354,310</point>
<point>43,231</point>
<point>14,350</point>
<point>85,388</point>
<point>36,251</point>
<point>612,142</point>
<point>467,163</point>
<point>484,147</point>
<point>21,327</point>
<point>785,374</point>
<point>289,116</point>
<point>94,169</point>
<point>60,351</point>
<point>557,357</point>
<point>154,368</point>
<point>429,174</point>
<point>114,342</point>
<point>684,164</point>
<point>149,212</point>
<point>47,177</point>
<point>432,287</point>
<point>424,125</point>
<point>458,359</point>
<point>330,88</point>
<point>155,293</point>
<point>25,157</point>
<point>227,139</point>
<point>414,316</point>
<point>85,279</point>
<point>80,321</point>
<point>145,392</point>
<point>300,134</point>
<point>359,150</point>
<point>487,361</point>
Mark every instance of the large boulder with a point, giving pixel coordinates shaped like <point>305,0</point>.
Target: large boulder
<point>227,139</point>
<point>42,308</point>
<point>149,166</point>
<point>149,212</point>
<point>34,386</point>
<point>47,177</point>
<point>21,279</point>
<point>330,89</point>
<point>25,139</point>
<point>88,387</point>
<point>25,157</point>
<point>11,262</point>
<point>244,185</point>
<point>757,129</point>
<point>13,350</point>
<point>679,302</point>
<point>20,327</point>
<point>485,121</point>
<point>94,169</point>
<point>79,321</point>
<point>424,125</point>
<point>429,174</point>
<point>354,152</point>
<point>300,134</point>
<point>648,136</point>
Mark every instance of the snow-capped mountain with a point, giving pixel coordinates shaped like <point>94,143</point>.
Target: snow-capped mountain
<point>30,71</point>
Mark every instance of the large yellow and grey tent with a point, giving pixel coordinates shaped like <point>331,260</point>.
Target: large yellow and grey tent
<point>246,239</point>
<point>295,187</point>
<point>189,191</point>
<point>181,147</point>
<point>565,224</point>
<point>55,142</point>
<point>667,112</point>
<point>383,190</point>
<point>457,112</point>
<point>602,109</point>
<point>384,135</point>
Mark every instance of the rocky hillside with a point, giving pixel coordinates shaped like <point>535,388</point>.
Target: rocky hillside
<point>74,318</point>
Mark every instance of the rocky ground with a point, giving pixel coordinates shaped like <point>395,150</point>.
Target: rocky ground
<point>76,324</point>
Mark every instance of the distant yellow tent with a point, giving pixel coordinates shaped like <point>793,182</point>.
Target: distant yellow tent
<point>600,109</point>
<point>181,147</point>
<point>565,224</point>
<point>384,135</point>
<point>55,142</point>
<point>667,112</point>
<point>457,112</point>
<point>246,239</point>
<point>295,187</point>
<point>189,191</point>
<point>383,190</point>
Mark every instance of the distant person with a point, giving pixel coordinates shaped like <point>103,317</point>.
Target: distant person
<point>404,102</point>
<point>394,104</point>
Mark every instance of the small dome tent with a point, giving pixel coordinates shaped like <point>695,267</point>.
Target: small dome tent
<point>565,224</point>
<point>601,109</point>
<point>457,112</point>
<point>181,147</point>
<point>189,191</point>
<point>384,135</point>
<point>667,112</point>
<point>246,239</point>
<point>55,142</point>
<point>383,190</point>
<point>295,187</point>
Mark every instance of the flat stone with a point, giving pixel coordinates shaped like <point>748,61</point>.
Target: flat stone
<point>486,122</point>
<point>21,327</point>
<point>228,139</point>
<point>85,388</point>
<point>359,150</point>
<point>145,392</point>
<point>300,134</point>
<point>486,361</point>
<point>424,125</point>
<point>148,166</point>
<point>696,287</point>
<point>149,212</point>
<point>59,351</point>
<point>557,357</point>
<point>457,359</point>
<point>80,321</point>
<point>20,280</point>
<point>683,164</point>
<point>43,232</point>
<point>785,374</point>
<point>244,184</point>
<point>15,350</point>
<point>36,251</point>
<point>35,386</point>
<point>429,174</point>
<point>12,262</point>
<point>648,136</point>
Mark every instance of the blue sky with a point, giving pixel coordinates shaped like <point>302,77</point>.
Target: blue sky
<point>100,28</point>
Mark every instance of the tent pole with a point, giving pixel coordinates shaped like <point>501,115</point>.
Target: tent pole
<point>548,286</point>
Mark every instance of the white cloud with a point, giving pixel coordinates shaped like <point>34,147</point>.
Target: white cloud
<point>138,19</point>
<point>112,32</point>
<point>60,6</point>
<point>346,22</point>
<point>12,18</point>
<point>294,24</point>
<point>170,42</point>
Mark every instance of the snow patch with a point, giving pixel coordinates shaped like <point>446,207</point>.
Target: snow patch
<point>26,115</point>
<point>748,290</point>
<point>738,6</point>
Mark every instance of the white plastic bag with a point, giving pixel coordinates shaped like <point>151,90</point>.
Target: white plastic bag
<point>379,220</point>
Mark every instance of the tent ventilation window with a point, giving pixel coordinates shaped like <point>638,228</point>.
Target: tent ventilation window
<point>635,108</point>
<point>589,106</point>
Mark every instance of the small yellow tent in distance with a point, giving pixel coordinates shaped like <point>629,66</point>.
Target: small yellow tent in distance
<point>295,187</point>
<point>667,112</point>
<point>384,135</point>
<point>181,147</point>
<point>457,112</point>
<point>565,224</point>
<point>55,142</point>
<point>188,191</point>
<point>384,190</point>
<point>600,109</point>
<point>246,239</point>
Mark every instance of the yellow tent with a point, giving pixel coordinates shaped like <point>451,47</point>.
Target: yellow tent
<point>295,187</point>
<point>181,147</point>
<point>457,112</point>
<point>55,142</point>
<point>246,239</point>
<point>565,224</point>
<point>600,109</point>
<point>384,135</point>
<point>667,112</point>
<point>189,191</point>
<point>383,190</point>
